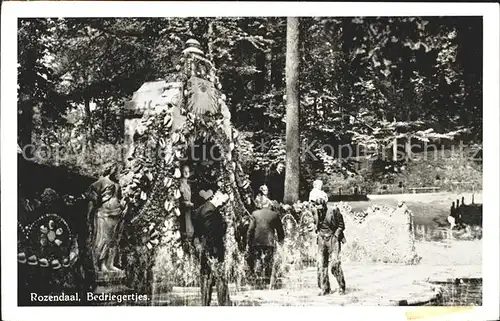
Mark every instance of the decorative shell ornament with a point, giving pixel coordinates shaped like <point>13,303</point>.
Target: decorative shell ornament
<point>72,256</point>
<point>56,265</point>
<point>169,158</point>
<point>168,205</point>
<point>167,182</point>
<point>43,262</point>
<point>49,236</point>
<point>177,173</point>
<point>32,260</point>
<point>66,262</point>
<point>177,194</point>
<point>21,257</point>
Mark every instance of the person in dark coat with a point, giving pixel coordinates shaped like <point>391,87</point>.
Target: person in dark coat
<point>330,237</point>
<point>264,224</point>
<point>276,183</point>
<point>209,230</point>
<point>258,178</point>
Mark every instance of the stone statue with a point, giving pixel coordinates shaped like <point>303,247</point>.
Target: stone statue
<point>105,219</point>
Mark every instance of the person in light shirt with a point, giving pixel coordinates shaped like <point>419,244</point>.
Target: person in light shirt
<point>317,195</point>
<point>262,200</point>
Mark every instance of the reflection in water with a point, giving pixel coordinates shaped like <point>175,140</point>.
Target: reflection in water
<point>464,292</point>
<point>439,233</point>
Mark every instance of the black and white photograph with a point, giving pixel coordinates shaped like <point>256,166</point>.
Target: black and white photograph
<point>251,160</point>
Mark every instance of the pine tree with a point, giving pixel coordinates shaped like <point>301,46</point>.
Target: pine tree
<point>292,172</point>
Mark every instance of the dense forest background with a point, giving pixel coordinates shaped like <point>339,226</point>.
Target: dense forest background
<point>366,82</point>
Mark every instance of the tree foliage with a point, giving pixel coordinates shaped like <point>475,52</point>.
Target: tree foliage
<point>361,78</point>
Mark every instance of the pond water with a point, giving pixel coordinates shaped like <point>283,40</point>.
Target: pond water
<point>464,292</point>
<point>434,232</point>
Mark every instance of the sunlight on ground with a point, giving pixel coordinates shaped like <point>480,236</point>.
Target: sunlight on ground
<point>367,283</point>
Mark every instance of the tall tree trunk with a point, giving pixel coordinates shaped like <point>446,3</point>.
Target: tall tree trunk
<point>292,172</point>
<point>270,84</point>
<point>408,148</point>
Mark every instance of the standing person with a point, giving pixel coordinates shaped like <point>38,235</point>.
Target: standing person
<point>318,199</point>
<point>262,199</point>
<point>261,241</point>
<point>330,237</point>
<point>276,183</point>
<point>209,230</point>
<point>258,178</point>
<point>186,205</point>
<point>317,193</point>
